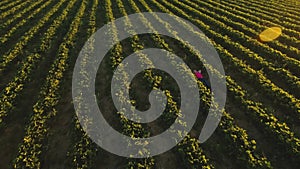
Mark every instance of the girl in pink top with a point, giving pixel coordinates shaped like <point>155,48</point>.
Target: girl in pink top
<point>199,76</point>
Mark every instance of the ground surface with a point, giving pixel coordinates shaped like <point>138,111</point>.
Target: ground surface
<point>40,41</point>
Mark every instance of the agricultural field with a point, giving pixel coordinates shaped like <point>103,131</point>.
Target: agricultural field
<point>41,40</point>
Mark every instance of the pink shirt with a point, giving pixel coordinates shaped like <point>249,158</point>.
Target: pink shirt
<point>198,75</point>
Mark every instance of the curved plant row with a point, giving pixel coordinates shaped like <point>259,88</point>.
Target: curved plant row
<point>282,97</point>
<point>262,18</point>
<point>251,28</point>
<point>20,15</point>
<point>289,20</point>
<point>7,36</point>
<point>84,150</point>
<point>286,133</point>
<point>285,9</point>
<point>129,128</point>
<point>13,10</point>
<point>16,85</point>
<point>7,58</point>
<point>246,40</point>
<point>271,68</point>
<point>8,3</point>
<point>195,158</point>
<point>290,4</point>
<point>37,130</point>
<point>230,128</point>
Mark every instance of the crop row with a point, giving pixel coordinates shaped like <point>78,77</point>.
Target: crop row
<point>271,68</point>
<point>284,10</point>
<point>7,36</point>
<point>15,86</point>
<point>84,149</point>
<point>228,124</point>
<point>261,18</point>
<point>290,4</point>
<point>8,3</point>
<point>277,14</point>
<point>269,120</point>
<point>36,132</point>
<point>246,147</point>
<point>29,35</point>
<point>13,9</point>
<point>229,26</point>
<point>189,147</point>
<point>250,28</point>
<point>21,14</point>
<point>288,134</point>
<point>283,98</point>
<point>133,129</point>
<point>44,109</point>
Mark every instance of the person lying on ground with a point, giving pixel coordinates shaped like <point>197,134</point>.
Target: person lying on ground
<point>200,77</point>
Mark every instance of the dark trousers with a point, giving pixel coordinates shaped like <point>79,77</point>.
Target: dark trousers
<point>204,82</point>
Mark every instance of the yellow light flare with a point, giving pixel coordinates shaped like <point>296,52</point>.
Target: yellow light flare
<point>270,34</point>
